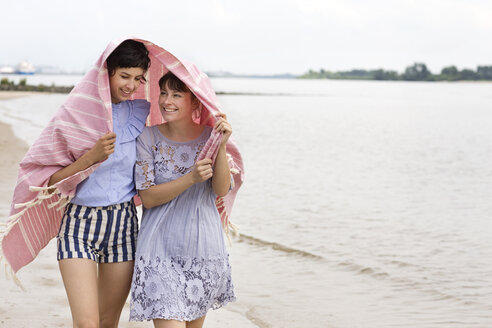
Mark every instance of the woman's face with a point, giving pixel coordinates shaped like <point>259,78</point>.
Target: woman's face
<point>176,105</point>
<point>124,82</point>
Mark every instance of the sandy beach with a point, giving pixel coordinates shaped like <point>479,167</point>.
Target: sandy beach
<point>5,95</point>
<point>44,302</point>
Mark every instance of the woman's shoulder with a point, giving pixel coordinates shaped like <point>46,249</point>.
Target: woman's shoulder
<point>139,108</point>
<point>140,103</point>
<point>148,134</point>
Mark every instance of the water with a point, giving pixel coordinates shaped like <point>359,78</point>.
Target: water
<point>366,204</point>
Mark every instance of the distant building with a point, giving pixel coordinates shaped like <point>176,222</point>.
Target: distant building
<point>6,70</point>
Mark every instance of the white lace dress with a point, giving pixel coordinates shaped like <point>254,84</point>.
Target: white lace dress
<point>181,264</point>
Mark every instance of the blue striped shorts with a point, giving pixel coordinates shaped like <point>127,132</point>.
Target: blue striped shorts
<point>105,234</point>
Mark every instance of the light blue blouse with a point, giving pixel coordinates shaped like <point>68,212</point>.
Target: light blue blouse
<point>112,182</point>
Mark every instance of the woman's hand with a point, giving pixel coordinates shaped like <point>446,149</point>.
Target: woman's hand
<point>223,126</point>
<point>103,148</point>
<point>100,152</point>
<point>202,171</point>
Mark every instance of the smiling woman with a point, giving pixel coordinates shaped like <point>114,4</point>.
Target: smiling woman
<point>182,266</point>
<point>123,83</point>
<point>96,237</point>
<point>176,101</point>
<point>103,203</point>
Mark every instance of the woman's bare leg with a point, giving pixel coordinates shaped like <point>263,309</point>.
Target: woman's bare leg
<point>161,323</point>
<point>80,280</point>
<point>197,323</point>
<point>114,284</point>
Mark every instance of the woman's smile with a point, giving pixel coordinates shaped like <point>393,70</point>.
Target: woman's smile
<point>124,82</point>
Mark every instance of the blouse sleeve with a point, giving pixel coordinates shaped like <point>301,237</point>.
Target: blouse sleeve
<point>144,167</point>
<point>139,110</point>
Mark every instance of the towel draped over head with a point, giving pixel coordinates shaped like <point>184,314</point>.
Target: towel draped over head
<point>82,119</point>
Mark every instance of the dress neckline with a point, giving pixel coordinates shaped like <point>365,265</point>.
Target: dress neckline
<point>205,129</point>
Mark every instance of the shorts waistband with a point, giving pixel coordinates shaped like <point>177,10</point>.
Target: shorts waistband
<point>108,207</point>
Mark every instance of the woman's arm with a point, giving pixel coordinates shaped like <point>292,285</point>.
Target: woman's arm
<point>100,152</point>
<point>160,194</point>
<point>221,176</point>
<point>221,180</point>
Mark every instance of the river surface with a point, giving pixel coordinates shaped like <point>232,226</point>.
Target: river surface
<point>365,204</point>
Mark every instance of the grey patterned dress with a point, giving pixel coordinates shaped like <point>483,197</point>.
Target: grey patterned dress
<point>181,265</point>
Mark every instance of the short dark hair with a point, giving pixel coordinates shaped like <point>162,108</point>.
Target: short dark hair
<point>173,83</point>
<point>129,53</point>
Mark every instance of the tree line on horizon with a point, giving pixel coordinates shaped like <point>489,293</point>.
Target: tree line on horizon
<point>7,85</point>
<point>415,72</point>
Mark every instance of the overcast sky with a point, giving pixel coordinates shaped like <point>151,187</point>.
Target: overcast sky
<point>255,36</point>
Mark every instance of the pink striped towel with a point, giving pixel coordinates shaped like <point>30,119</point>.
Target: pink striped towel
<point>82,119</point>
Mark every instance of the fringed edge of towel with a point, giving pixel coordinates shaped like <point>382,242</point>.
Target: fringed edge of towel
<point>227,225</point>
<point>9,272</point>
<point>232,166</point>
<point>43,194</point>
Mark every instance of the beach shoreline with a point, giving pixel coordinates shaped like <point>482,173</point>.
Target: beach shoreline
<point>6,95</point>
<point>44,302</point>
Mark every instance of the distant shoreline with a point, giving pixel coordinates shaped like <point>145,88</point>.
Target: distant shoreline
<point>6,94</point>
<point>417,72</point>
<point>7,85</point>
<point>10,89</point>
